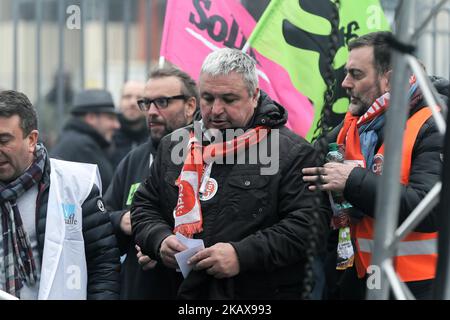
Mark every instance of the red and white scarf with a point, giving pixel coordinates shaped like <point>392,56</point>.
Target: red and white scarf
<point>188,212</point>
<point>349,134</point>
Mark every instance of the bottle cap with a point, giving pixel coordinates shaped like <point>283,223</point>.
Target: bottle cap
<point>333,146</point>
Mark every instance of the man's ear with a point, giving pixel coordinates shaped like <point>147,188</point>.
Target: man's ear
<point>190,107</point>
<point>387,79</point>
<point>90,118</point>
<point>256,95</point>
<point>32,140</point>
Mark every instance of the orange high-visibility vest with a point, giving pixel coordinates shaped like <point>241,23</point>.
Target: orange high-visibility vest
<point>416,255</point>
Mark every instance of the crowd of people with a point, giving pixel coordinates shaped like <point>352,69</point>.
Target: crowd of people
<point>106,212</point>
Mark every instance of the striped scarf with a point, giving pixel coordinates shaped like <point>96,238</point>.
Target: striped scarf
<point>18,258</point>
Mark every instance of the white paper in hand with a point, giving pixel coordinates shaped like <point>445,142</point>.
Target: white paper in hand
<point>193,246</point>
<point>183,256</point>
<point>189,243</point>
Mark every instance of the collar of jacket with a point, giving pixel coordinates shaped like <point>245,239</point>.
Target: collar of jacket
<point>41,208</point>
<point>128,128</point>
<point>80,126</point>
<point>268,113</point>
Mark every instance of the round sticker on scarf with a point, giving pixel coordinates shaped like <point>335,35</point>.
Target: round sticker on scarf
<point>210,190</point>
<point>377,166</point>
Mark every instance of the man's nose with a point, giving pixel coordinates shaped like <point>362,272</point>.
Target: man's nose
<point>116,124</point>
<point>217,107</point>
<point>153,110</point>
<point>134,104</point>
<point>347,83</point>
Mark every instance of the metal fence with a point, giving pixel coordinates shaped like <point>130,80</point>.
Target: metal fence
<point>48,42</point>
<point>387,235</point>
<point>434,41</point>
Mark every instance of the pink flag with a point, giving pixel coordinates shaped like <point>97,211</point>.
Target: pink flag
<point>194,28</point>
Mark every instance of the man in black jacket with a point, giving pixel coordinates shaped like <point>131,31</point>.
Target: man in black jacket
<point>254,216</point>
<point>164,115</point>
<point>88,134</point>
<point>57,241</point>
<point>368,85</point>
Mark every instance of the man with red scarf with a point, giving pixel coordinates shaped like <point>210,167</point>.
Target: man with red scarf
<point>368,84</point>
<point>255,223</point>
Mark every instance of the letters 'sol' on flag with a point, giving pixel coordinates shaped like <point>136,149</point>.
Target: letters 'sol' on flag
<point>295,34</point>
<point>194,28</point>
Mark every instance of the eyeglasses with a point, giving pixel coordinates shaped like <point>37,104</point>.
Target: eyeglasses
<point>161,102</point>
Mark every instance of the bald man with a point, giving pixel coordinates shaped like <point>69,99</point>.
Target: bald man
<point>133,128</point>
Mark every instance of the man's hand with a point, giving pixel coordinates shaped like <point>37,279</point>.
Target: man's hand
<point>220,260</point>
<point>169,247</point>
<point>125,223</point>
<point>333,176</point>
<point>145,261</point>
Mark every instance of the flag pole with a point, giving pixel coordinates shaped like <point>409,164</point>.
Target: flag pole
<point>273,4</point>
<point>162,61</point>
<point>167,22</point>
<point>245,47</point>
<point>262,21</point>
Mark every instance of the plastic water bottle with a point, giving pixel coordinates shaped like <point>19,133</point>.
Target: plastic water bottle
<point>340,206</point>
<point>341,215</point>
<point>334,154</point>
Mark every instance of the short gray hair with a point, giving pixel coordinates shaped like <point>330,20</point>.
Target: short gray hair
<point>227,60</point>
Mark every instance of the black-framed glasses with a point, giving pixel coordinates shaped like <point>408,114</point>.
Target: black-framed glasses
<point>160,102</point>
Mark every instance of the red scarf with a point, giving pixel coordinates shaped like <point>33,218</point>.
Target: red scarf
<point>188,212</point>
<point>349,134</point>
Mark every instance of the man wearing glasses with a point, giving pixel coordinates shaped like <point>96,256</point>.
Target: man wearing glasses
<point>170,100</point>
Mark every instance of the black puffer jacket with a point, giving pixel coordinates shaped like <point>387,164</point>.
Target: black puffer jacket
<point>80,142</point>
<point>267,218</point>
<point>102,254</point>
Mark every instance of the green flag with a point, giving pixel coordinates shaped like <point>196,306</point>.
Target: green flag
<point>295,34</point>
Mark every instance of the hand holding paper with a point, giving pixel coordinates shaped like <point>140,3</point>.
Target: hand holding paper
<point>219,260</point>
<point>169,247</point>
<point>193,246</point>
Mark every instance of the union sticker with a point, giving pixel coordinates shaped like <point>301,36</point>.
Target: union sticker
<point>210,190</point>
<point>377,166</point>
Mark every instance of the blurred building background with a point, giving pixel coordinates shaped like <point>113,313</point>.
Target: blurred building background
<point>119,39</point>
<point>31,31</point>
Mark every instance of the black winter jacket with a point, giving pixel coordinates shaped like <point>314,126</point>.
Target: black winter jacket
<point>267,218</point>
<point>102,254</point>
<point>80,142</point>
<point>132,170</point>
<point>136,284</point>
<point>126,139</point>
